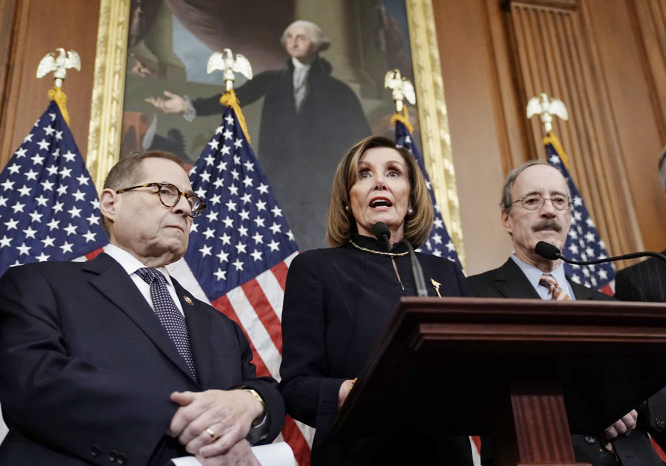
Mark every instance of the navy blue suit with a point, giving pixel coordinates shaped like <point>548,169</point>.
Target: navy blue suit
<point>86,369</point>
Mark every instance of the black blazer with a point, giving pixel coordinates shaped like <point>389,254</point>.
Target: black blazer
<point>509,281</point>
<point>337,302</point>
<point>86,368</point>
<point>645,281</point>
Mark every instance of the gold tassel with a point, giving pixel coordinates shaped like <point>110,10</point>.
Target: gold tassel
<point>57,94</point>
<point>552,139</point>
<point>404,119</point>
<point>229,99</point>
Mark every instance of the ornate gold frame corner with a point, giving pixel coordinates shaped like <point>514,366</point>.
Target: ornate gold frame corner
<point>433,117</point>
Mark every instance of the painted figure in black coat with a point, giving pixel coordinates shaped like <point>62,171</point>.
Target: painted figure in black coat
<point>536,207</point>
<point>338,300</point>
<point>309,118</point>
<point>90,374</point>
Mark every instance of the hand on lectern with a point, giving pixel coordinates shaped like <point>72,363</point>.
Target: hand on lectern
<point>622,426</point>
<point>343,393</point>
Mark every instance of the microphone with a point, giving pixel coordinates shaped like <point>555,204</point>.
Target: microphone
<point>551,252</point>
<point>383,234</point>
<point>417,272</point>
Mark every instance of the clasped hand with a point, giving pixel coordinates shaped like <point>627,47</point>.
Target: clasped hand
<point>213,424</point>
<point>623,426</point>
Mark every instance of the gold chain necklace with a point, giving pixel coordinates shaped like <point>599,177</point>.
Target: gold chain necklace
<point>379,253</point>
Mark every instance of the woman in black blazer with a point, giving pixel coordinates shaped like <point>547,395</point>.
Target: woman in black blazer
<point>338,300</point>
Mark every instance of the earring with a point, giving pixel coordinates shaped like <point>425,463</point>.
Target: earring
<point>346,208</point>
<point>410,211</point>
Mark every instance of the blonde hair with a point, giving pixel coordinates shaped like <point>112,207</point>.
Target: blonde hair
<point>341,223</point>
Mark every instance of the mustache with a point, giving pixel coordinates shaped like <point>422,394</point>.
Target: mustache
<point>547,224</point>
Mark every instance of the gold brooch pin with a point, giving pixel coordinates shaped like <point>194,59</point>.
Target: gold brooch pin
<point>436,285</point>
<point>188,300</point>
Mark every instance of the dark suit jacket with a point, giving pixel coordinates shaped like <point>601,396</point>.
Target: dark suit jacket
<point>337,302</point>
<point>86,369</point>
<point>645,281</point>
<point>509,281</point>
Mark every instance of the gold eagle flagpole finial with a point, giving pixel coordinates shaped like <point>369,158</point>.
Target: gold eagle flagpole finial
<point>544,107</point>
<point>59,66</point>
<point>401,89</point>
<point>231,65</point>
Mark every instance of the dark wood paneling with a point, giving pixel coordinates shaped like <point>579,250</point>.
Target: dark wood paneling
<point>40,27</point>
<point>556,54</point>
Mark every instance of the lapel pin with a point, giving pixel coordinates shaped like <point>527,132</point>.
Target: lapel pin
<point>188,300</point>
<point>436,285</point>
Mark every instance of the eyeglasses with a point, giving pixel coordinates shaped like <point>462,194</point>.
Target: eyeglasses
<point>170,196</point>
<point>536,201</point>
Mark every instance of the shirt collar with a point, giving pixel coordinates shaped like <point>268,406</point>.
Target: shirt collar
<point>299,65</point>
<point>130,263</point>
<point>534,275</point>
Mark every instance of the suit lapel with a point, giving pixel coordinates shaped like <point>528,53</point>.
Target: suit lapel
<point>512,283</point>
<point>199,323</point>
<point>114,283</point>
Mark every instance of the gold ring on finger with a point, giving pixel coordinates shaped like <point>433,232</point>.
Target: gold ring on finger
<point>210,432</point>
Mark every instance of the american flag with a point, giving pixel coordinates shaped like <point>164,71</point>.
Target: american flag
<point>583,242</point>
<point>439,242</point>
<point>239,252</point>
<point>48,203</point>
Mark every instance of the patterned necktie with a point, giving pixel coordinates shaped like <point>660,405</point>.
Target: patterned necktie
<point>555,291</point>
<point>168,314</point>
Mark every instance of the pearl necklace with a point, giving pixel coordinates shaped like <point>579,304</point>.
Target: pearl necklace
<point>379,253</point>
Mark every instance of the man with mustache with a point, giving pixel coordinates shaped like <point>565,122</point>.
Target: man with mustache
<point>536,207</point>
<point>112,360</point>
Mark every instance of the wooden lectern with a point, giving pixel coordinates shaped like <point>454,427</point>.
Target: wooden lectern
<point>529,372</point>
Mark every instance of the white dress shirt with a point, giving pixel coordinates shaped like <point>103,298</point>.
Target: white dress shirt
<point>131,264</point>
<point>534,276</point>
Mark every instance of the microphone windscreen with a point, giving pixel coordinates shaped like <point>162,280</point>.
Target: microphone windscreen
<point>547,250</point>
<point>381,231</point>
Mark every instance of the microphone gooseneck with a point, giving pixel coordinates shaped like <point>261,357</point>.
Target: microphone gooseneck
<point>383,234</point>
<point>417,272</point>
<point>551,252</point>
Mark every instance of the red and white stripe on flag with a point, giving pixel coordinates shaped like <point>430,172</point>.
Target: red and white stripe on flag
<point>257,307</point>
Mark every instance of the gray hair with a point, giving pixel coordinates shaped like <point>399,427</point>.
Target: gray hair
<point>506,202</point>
<point>316,34</point>
<point>662,169</point>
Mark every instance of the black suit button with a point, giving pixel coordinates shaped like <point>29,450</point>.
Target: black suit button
<point>590,439</point>
<point>122,458</point>
<point>113,456</point>
<point>95,450</point>
<point>660,423</point>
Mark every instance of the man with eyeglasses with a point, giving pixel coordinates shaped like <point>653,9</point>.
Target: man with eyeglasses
<point>536,207</point>
<point>112,361</point>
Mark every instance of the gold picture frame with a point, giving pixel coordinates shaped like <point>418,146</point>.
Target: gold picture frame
<point>109,84</point>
